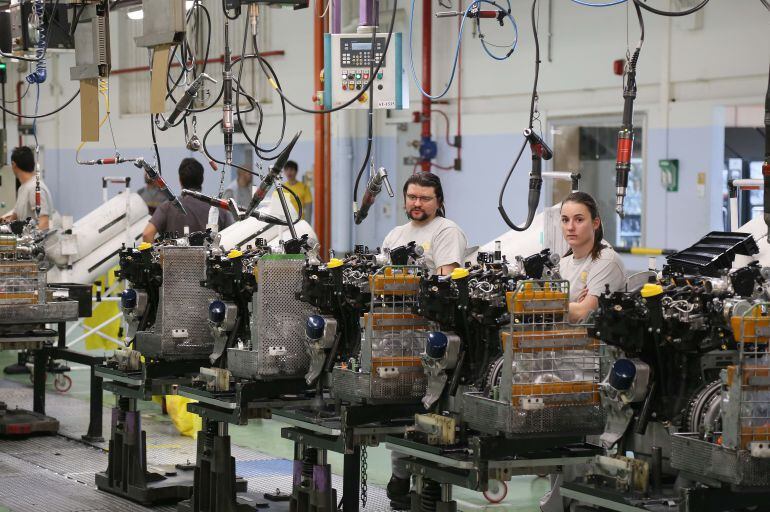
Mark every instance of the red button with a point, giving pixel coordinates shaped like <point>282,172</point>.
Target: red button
<point>344,87</point>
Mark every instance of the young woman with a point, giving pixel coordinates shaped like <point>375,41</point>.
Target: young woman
<point>590,264</point>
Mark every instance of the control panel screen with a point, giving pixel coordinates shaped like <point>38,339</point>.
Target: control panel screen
<point>355,52</point>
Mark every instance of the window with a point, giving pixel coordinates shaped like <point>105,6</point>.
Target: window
<point>588,145</point>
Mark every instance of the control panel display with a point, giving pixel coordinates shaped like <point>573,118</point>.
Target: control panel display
<point>357,52</point>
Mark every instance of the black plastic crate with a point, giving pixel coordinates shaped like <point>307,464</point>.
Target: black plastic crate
<point>712,254</point>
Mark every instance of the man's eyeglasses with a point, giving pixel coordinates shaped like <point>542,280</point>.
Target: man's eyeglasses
<point>422,199</point>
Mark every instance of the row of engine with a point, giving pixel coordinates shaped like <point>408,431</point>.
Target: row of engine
<point>678,361</point>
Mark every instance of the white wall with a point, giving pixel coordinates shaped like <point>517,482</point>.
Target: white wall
<point>686,78</point>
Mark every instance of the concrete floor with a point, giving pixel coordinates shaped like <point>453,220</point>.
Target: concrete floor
<point>264,436</point>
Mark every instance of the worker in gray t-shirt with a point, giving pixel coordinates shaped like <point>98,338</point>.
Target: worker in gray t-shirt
<point>168,219</point>
<point>591,265</point>
<point>23,167</point>
<point>443,240</point>
<point>445,245</point>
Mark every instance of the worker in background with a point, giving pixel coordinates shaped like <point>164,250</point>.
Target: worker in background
<point>590,264</point>
<point>23,167</point>
<point>151,194</point>
<point>240,189</point>
<point>298,187</point>
<point>168,219</point>
<point>445,247</point>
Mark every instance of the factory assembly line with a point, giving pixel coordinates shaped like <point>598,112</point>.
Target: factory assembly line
<point>472,367</point>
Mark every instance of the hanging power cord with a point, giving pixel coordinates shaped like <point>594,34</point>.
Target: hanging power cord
<point>766,4</point>
<point>37,156</point>
<point>40,116</point>
<point>626,134</point>
<point>540,151</point>
<point>482,38</point>
<point>260,151</point>
<point>466,14</point>
<point>369,128</point>
<point>646,7</point>
<point>355,98</point>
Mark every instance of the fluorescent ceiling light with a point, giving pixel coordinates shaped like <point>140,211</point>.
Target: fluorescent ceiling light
<point>135,14</point>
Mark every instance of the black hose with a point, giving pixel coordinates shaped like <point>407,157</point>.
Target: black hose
<point>370,123</point>
<point>536,181</point>
<point>672,13</point>
<point>38,116</point>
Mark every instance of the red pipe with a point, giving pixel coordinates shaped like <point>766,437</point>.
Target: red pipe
<point>427,53</point>
<point>199,62</point>
<point>319,176</point>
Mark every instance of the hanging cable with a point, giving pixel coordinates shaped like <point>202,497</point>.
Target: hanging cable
<point>646,7</point>
<point>540,151</point>
<point>485,45</point>
<point>40,116</point>
<point>626,134</point>
<point>608,4</point>
<point>355,98</point>
<point>369,127</point>
<point>457,46</point>
<point>220,162</point>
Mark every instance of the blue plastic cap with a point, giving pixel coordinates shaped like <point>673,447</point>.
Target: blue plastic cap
<point>314,328</point>
<point>435,344</point>
<point>622,374</point>
<point>128,298</point>
<point>217,310</point>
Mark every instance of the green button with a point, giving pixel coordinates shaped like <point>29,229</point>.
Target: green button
<point>358,76</point>
<point>379,76</point>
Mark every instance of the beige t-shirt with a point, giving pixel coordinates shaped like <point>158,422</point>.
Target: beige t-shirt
<point>443,241</point>
<point>593,274</point>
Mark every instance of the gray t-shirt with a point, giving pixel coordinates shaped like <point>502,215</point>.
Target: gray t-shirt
<point>593,274</point>
<point>168,219</point>
<point>242,195</point>
<point>25,200</point>
<point>443,240</point>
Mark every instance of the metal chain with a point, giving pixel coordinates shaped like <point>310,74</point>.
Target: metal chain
<point>364,468</point>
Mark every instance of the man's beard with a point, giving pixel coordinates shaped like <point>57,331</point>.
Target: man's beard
<point>419,215</point>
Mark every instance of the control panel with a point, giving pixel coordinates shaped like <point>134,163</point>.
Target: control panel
<point>347,67</point>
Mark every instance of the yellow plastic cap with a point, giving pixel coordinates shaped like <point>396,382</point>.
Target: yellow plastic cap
<point>651,290</point>
<point>144,246</point>
<point>235,253</point>
<point>459,273</point>
<point>334,263</point>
